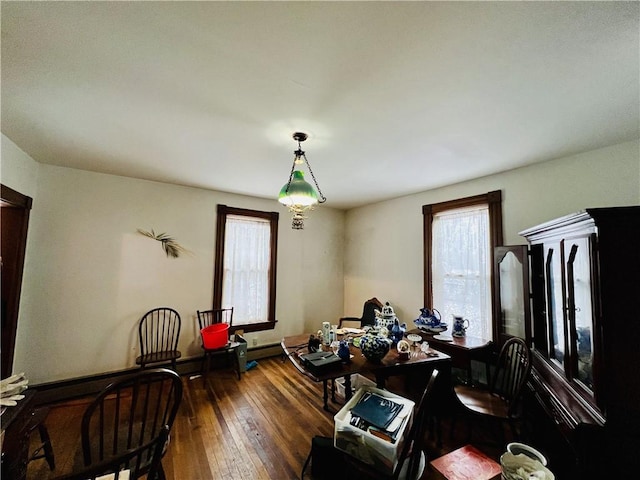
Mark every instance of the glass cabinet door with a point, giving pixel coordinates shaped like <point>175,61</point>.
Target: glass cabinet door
<point>512,290</point>
<point>555,303</point>
<point>579,308</point>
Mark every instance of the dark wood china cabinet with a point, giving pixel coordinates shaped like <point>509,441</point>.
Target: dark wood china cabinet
<point>585,337</point>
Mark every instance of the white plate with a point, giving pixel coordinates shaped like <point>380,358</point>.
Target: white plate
<point>443,338</point>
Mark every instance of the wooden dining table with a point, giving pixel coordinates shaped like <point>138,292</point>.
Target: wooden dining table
<point>295,346</point>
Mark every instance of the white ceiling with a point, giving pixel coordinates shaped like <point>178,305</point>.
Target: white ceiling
<point>397,97</point>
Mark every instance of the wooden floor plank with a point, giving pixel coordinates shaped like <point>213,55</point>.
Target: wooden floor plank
<point>259,427</point>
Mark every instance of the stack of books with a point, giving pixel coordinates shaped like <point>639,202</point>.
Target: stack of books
<point>378,415</point>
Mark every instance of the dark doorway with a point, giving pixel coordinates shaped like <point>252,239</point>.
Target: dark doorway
<point>15,221</point>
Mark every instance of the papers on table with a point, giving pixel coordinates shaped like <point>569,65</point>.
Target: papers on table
<point>349,331</point>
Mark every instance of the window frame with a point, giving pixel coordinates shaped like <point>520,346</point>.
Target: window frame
<point>493,200</point>
<point>221,222</point>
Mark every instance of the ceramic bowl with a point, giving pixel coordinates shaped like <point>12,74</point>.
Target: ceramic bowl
<point>515,448</point>
<point>374,347</point>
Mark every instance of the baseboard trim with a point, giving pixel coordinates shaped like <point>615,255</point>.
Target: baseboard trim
<point>65,390</point>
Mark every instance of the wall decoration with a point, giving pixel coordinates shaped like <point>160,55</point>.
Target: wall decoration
<point>169,245</point>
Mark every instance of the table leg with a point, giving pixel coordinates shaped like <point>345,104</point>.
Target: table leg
<point>347,388</point>
<point>325,395</point>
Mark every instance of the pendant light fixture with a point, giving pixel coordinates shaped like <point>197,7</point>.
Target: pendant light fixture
<point>298,194</point>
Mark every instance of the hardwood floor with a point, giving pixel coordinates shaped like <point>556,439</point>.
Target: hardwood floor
<point>257,428</point>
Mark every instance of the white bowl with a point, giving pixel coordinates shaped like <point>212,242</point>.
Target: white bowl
<point>515,448</point>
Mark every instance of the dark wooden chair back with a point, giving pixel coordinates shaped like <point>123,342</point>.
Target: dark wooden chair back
<point>130,413</point>
<point>216,315</point>
<point>512,371</point>
<point>207,318</point>
<point>412,451</point>
<point>159,332</point>
<point>368,314</point>
<point>132,461</point>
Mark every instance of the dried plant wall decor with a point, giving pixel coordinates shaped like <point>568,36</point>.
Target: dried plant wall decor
<point>172,248</point>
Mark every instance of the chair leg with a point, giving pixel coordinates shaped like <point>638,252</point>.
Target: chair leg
<point>204,366</point>
<point>161,475</point>
<point>45,450</point>
<point>46,445</point>
<point>236,362</point>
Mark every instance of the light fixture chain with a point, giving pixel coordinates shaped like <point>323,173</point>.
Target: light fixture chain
<point>322,197</point>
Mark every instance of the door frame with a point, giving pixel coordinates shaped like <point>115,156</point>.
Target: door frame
<point>15,222</point>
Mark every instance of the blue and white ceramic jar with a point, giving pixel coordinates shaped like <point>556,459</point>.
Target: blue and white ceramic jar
<point>343,351</point>
<point>374,347</point>
<point>397,331</point>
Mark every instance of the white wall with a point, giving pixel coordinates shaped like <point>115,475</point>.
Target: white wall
<point>384,241</point>
<point>89,276</point>
<point>17,169</point>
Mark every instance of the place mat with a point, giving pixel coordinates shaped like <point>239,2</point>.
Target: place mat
<point>467,463</point>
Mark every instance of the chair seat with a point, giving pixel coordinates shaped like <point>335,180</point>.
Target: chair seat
<point>229,349</point>
<point>482,401</point>
<point>158,357</point>
<point>226,348</point>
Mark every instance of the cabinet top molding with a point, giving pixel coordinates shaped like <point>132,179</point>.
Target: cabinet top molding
<point>580,220</point>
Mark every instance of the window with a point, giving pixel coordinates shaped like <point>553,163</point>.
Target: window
<point>459,239</point>
<point>245,266</point>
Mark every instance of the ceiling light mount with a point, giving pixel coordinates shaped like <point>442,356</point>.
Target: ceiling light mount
<point>300,136</point>
<point>297,194</point>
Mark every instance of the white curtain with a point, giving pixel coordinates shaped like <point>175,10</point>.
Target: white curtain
<point>246,269</point>
<point>461,269</point>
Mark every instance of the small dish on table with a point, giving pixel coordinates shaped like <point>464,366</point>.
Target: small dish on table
<point>443,338</point>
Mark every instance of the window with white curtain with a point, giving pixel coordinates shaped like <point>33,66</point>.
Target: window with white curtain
<point>460,236</point>
<point>461,267</point>
<point>246,252</point>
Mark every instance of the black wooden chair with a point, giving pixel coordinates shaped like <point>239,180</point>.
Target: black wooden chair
<point>159,331</point>
<point>128,414</point>
<point>501,402</point>
<point>131,461</point>
<point>206,318</point>
<point>368,315</point>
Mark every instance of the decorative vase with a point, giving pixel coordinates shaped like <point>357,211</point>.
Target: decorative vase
<point>374,347</point>
<point>343,351</point>
<point>460,326</point>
